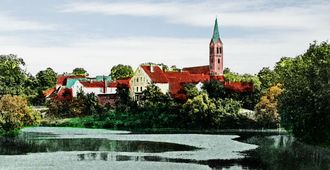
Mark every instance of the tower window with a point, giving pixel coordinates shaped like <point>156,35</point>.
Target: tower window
<point>218,50</point>
<point>219,60</point>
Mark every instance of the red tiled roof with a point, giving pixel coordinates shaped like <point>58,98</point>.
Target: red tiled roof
<point>239,86</point>
<point>198,70</point>
<point>157,76</point>
<point>123,82</point>
<point>64,93</point>
<point>61,80</point>
<point>93,84</point>
<point>178,79</point>
<point>48,92</point>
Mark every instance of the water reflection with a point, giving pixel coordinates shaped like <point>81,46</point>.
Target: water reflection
<point>33,143</point>
<point>274,152</point>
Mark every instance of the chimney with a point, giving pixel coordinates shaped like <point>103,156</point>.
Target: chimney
<point>105,86</point>
<point>152,69</point>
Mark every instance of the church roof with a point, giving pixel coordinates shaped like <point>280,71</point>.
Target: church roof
<point>198,69</point>
<point>216,35</point>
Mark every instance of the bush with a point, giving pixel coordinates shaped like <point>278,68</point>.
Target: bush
<point>266,110</point>
<point>15,113</point>
<point>204,112</point>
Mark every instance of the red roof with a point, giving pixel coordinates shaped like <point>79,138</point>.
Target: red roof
<point>48,92</point>
<point>239,86</point>
<point>93,84</point>
<point>198,70</point>
<point>123,82</point>
<point>178,79</point>
<point>61,80</point>
<point>157,76</point>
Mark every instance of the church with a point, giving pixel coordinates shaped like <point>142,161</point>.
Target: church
<point>172,82</point>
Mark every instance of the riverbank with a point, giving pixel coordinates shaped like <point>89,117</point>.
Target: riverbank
<point>90,122</point>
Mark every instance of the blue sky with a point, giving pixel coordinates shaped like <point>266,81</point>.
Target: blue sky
<point>98,34</point>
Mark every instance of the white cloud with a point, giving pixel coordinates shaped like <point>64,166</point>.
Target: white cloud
<point>9,23</point>
<point>236,13</point>
<point>98,56</point>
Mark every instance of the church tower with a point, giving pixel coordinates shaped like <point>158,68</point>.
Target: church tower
<point>216,54</point>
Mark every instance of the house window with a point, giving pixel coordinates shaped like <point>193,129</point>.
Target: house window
<point>137,79</point>
<point>141,88</point>
<point>137,89</point>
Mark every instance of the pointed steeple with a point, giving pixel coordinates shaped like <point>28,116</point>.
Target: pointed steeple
<point>216,35</point>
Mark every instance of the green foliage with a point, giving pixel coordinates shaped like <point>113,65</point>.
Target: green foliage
<point>245,78</point>
<point>79,72</point>
<point>15,113</point>
<point>304,104</point>
<point>215,89</point>
<point>121,71</point>
<point>46,78</point>
<point>191,90</point>
<point>267,78</point>
<point>205,112</point>
<point>12,76</point>
<point>266,110</point>
<point>82,105</point>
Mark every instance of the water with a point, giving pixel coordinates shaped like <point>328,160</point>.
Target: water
<point>72,148</point>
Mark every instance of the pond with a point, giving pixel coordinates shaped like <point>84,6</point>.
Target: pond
<point>78,148</point>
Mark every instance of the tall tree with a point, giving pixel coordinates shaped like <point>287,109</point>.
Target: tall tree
<point>121,71</point>
<point>12,76</point>
<point>79,72</point>
<point>304,104</point>
<point>46,78</point>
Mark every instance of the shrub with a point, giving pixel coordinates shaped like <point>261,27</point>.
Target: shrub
<point>15,113</point>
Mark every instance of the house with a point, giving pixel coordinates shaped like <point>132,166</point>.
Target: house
<point>173,82</point>
<point>69,86</point>
<point>146,75</point>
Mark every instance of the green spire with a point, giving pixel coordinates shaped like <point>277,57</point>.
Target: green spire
<point>216,35</point>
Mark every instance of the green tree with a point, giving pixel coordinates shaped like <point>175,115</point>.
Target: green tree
<point>46,78</point>
<point>267,78</point>
<point>304,104</point>
<point>121,71</point>
<point>205,112</point>
<point>12,76</point>
<point>79,72</point>
<point>191,90</point>
<point>15,113</point>
<point>266,110</point>
<point>215,89</point>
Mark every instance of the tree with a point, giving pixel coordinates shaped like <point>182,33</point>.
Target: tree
<point>266,110</point>
<point>191,90</point>
<point>267,78</point>
<point>214,88</point>
<point>205,112</point>
<point>79,72</point>
<point>14,113</point>
<point>46,78</point>
<point>121,71</point>
<point>304,104</point>
<point>12,76</point>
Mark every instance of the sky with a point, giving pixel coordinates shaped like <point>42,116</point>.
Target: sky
<point>99,34</point>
